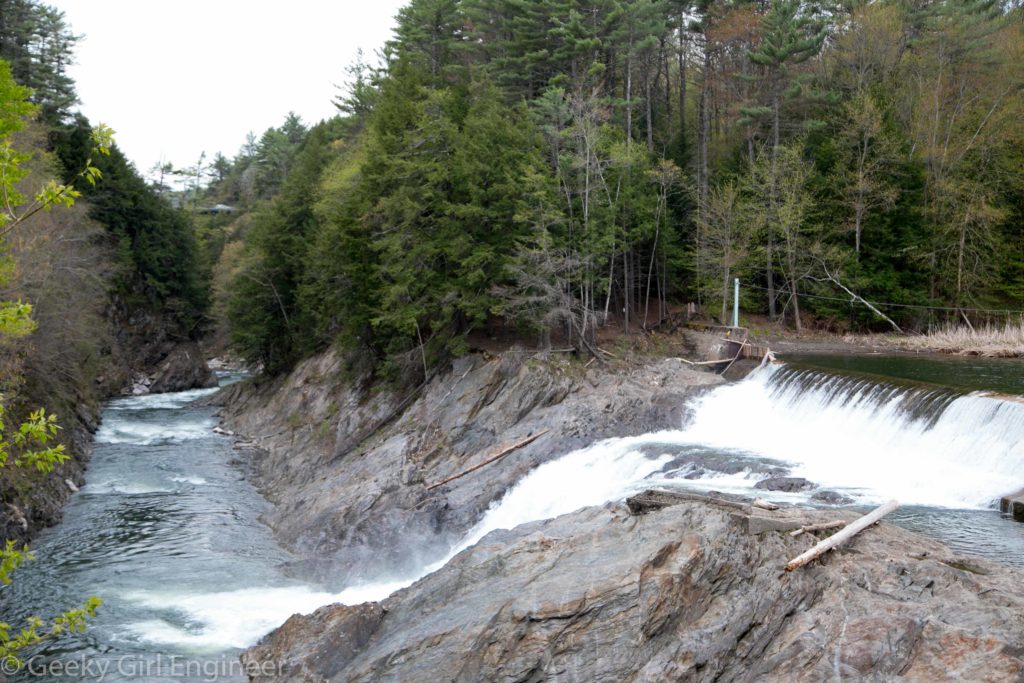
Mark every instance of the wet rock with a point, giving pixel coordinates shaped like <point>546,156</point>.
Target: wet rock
<point>331,637</point>
<point>331,444</point>
<point>656,499</point>
<point>784,484</point>
<point>684,593</point>
<point>698,463</point>
<point>182,369</point>
<point>831,498</point>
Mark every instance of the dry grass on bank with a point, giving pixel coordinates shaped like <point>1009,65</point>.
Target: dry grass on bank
<point>991,341</point>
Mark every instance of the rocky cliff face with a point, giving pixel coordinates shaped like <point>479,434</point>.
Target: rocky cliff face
<point>148,355</point>
<point>349,468</point>
<point>693,592</point>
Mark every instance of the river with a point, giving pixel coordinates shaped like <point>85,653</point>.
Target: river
<point>167,529</point>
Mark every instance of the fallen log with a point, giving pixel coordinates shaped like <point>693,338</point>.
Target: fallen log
<point>838,524</point>
<point>843,536</point>
<point>501,454</point>
<point>764,504</point>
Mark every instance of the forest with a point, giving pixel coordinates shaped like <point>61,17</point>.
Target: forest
<point>120,253</point>
<point>558,166</point>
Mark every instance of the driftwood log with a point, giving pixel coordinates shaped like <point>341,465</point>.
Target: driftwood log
<point>838,524</point>
<point>843,536</point>
<point>497,456</point>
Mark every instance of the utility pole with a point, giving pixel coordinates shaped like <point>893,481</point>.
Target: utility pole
<point>736,303</point>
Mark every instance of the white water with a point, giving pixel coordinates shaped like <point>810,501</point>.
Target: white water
<point>860,441</point>
<point>971,455</point>
<point>590,476</point>
<point>236,619</point>
<point>127,430</point>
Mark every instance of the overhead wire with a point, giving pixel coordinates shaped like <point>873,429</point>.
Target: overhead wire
<point>1001,311</point>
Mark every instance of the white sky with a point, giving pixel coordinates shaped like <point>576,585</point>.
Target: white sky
<point>174,79</point>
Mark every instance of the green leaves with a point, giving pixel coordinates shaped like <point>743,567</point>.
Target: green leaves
<point>15,320</point>
<point>15,106</point>
<point>28,444</point>
<point>11,557</point>
<point>36,631</point>
<point>54,194</point>
<point>30,439</point>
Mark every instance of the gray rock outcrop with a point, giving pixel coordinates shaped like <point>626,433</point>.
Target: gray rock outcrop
<point>349,468</point>
<point>182,369</point>
<point>687,593</point>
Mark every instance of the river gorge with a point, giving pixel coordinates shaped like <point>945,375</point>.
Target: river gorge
<point>194,565</point>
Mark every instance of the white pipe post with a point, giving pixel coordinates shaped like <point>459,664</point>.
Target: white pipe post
<point>736,304</point>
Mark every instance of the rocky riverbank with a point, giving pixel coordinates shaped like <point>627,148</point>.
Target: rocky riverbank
<point>143,358</point>
<point>694,591</point>
<point>349,466</point>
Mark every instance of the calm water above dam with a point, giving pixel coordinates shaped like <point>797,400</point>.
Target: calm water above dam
<point>1005,375</point>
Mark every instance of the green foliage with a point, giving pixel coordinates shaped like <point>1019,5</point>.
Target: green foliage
<point>38,44</point>
<point>29,445</point>
<point>156,246</point>
<point>36,630</point>
<point>494,167</point>
<point>268,325</point>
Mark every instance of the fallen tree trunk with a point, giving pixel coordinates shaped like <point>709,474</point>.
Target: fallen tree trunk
<point>843,536</point>
<point>838,524</point>
<point>501,454</point>
<point>834,279</point>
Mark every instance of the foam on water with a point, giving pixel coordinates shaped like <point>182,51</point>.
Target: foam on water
<point>237,619</point>
<point>608,470</point>
<point>231,619</point>
<point>118,430</point>
<point>125,488</point>
<point>171,401</point>
<point>195,481</point>
<point>963,453</point>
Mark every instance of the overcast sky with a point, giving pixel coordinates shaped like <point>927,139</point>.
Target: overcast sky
<point>174,79</point>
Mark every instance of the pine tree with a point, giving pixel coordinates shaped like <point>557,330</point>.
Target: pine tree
<point>37,42</point>
<point>791,33</point>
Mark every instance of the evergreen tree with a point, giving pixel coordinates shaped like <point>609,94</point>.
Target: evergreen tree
<point>37,42</point>
<point>265,308</point>
<point>792,33</point>
<point>155,244</point>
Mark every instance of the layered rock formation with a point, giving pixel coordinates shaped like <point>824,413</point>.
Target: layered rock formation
<point>693,592</point>
<point>349,467</point>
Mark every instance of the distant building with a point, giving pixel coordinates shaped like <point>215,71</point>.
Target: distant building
<point>218,209</point>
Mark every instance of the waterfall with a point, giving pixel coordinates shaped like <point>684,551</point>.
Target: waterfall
<point>918,443</point>
<point>866,437</point>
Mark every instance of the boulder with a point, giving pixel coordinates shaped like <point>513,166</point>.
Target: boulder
<point>831,498</point>
<point>182,369</point>
<point>784,484</point>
